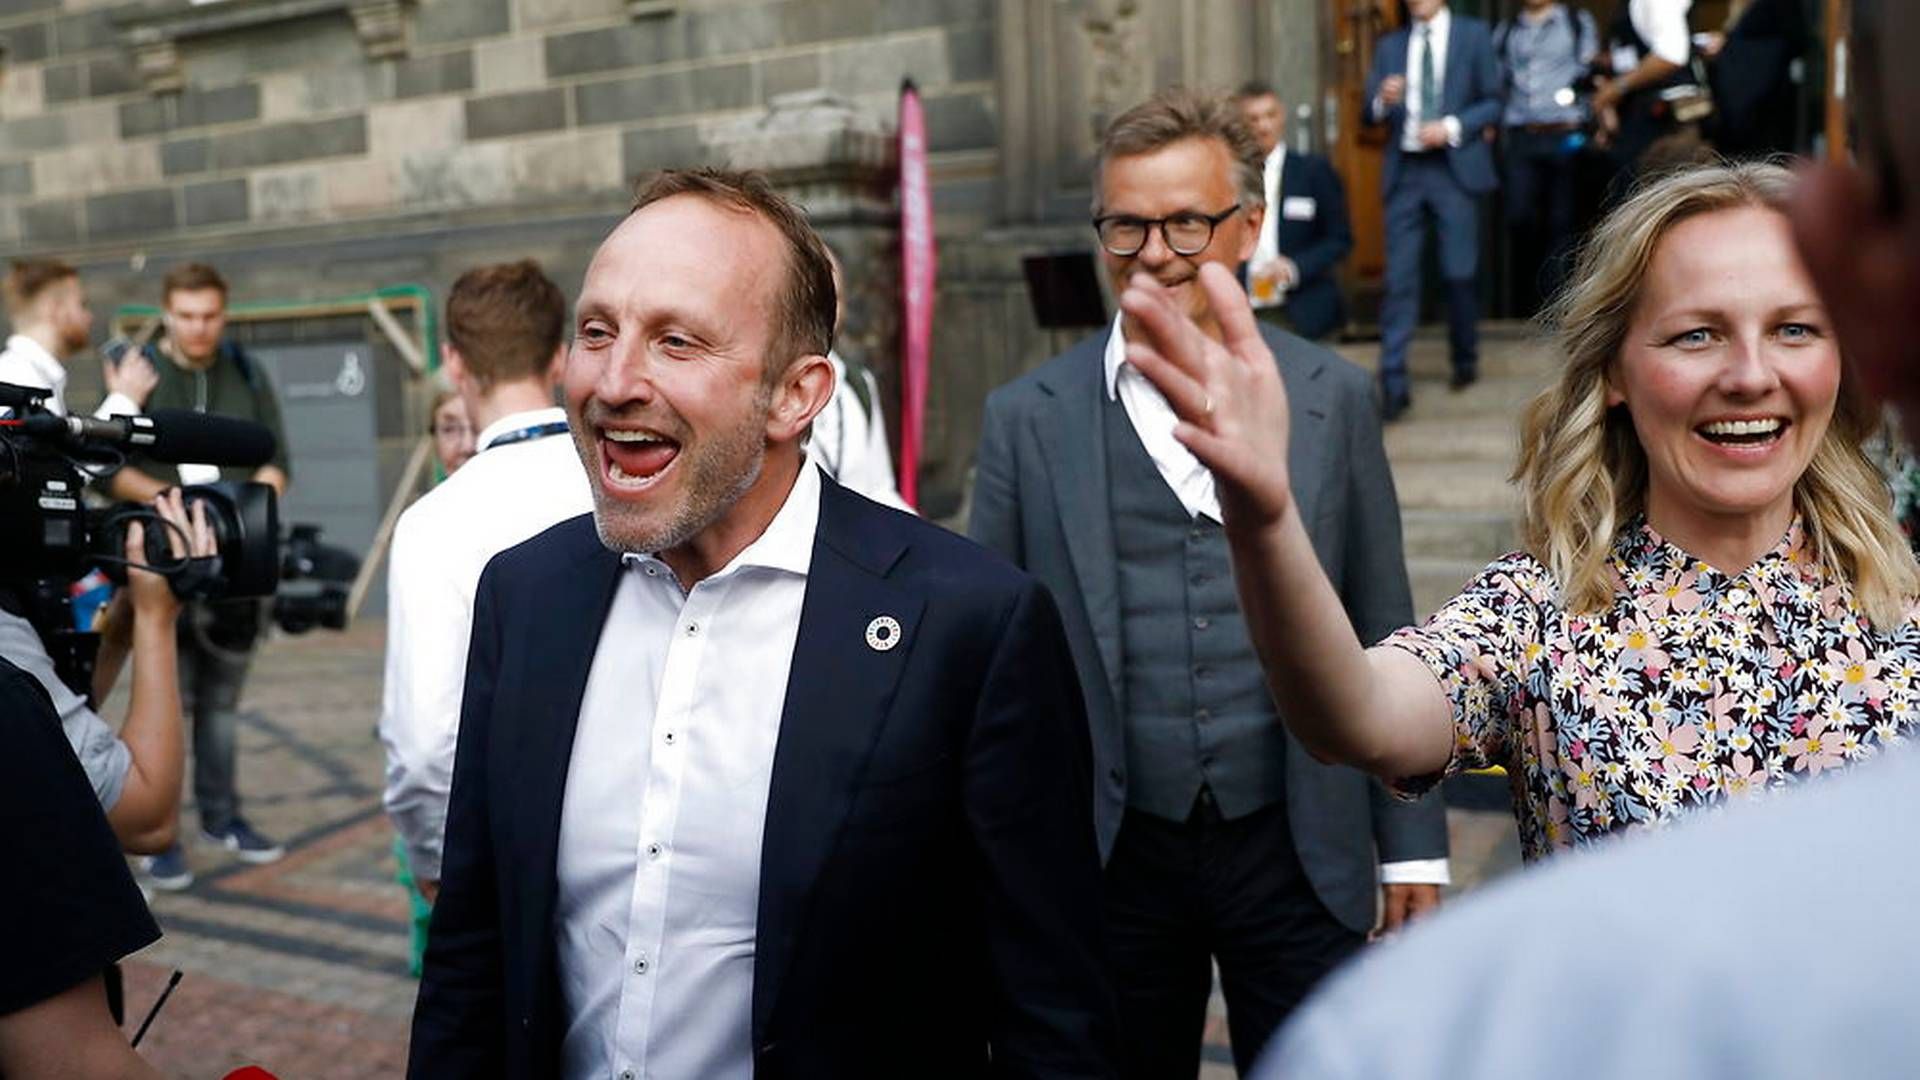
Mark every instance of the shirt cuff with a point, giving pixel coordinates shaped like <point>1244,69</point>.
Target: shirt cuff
<point>1416,872</point>
<point>117,404</point>
<point>1453,129</point>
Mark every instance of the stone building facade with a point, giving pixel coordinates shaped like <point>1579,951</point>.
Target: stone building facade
<point>318,148</point>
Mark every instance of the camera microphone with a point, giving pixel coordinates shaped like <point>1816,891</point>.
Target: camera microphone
<point>170,435</point>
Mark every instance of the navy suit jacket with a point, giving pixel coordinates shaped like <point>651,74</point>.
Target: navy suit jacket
<point>1470,89</point>
<point>1315,244</point>
<point>929,882</point>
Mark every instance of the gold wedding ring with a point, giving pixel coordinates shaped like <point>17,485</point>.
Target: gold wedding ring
<point>1209,409</point>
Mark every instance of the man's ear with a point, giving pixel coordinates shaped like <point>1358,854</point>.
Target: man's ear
<point>802,392</point>
<point>1857,258</point>
<point>1256,215</point>
<point>453,366</point>
<point>557,367</point>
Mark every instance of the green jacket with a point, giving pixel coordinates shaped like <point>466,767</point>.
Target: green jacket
<point>235,386</point>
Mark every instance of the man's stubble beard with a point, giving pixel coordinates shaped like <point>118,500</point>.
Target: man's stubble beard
<point>718,472</point>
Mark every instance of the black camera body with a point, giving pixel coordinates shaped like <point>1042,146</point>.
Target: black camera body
<point>50,538</point>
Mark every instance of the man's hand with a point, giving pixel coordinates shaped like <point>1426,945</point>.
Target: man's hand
<point>132,376</point>
<point>1287,271</point>
<point>1401,904</point>
<point>1231,404</point>
<point>1606,97</point>
<point>1433,135</point>
<point>1393,90</point>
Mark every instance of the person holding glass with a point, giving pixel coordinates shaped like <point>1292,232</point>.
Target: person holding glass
<point>1714,598</point>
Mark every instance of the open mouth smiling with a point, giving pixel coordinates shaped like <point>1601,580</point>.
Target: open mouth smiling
<point>636,458</point>
<point>1743,432</point>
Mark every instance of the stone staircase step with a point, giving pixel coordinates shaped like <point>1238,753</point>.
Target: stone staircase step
<point>1452,439</point>
<point>1481,535</point>
<point>1438,484</point>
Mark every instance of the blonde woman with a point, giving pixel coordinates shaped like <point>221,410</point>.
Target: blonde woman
<point>1714,598</point>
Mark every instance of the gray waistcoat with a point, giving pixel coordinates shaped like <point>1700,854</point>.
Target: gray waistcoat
<point>1194,703</point>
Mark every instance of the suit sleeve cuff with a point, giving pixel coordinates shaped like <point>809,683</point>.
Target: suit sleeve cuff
<point>1416,872</point>
<point>1453,129</point>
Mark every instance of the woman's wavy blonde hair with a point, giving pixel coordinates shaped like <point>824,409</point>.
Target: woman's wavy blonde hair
<point>1582,471</point>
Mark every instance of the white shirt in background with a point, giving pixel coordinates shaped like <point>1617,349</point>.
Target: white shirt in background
<point>501,496</point>
<point>25,362</point>
<point>666,801</point>
<point>1441,29</point>
<point>1267,247</point>
<point>850,443</point>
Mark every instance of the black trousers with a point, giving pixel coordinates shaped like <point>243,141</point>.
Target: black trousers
<point>1540,201</point>
<point>1181,895</point>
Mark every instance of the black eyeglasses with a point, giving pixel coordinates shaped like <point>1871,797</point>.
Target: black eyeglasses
<point>1187,233</point>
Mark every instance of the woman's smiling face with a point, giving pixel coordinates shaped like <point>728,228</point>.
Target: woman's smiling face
<point>1729,370</point>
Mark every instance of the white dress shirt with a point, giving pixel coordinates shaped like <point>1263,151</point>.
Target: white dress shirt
<point>1440,27</point>
<point>1662,24</point>
<point>1153,420</point>
<point>503,495</point>
<point>666,799</point>
<point>25,362</point>
<point>1267,247</point>
<point>849,440</point>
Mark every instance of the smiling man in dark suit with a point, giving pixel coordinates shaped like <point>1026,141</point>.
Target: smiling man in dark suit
<point>1224,840</point>
<point>1305,233</point>
<point>756,778</point>
<point>1436,87</point>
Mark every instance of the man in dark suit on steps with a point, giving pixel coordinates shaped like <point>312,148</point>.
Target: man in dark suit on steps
<point>756,778</point>
<point>1223,839</point>
<point>1436,88</point>
<point>1305,233</point>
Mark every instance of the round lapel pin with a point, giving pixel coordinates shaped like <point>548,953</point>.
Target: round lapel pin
<point>883,633</point>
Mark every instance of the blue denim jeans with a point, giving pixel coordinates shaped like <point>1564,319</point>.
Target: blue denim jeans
<point>215,654</point>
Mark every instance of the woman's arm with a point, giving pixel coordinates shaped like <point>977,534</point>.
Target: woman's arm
<point>1382,709</point>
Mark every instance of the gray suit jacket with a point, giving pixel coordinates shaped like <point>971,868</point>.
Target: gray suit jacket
<point>1040,498</point>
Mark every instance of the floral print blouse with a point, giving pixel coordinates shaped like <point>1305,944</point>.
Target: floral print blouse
<point>1695,687</point>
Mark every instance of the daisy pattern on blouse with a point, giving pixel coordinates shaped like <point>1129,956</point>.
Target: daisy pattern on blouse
<point>1694,687</point>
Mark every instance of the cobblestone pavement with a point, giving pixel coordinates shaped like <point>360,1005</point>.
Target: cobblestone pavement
<point>301,966</point>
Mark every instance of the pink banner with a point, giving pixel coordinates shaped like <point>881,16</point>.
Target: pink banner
<point>916,288</point>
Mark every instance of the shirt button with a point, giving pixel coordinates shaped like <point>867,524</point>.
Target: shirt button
<point>1202,715</point>
<point>1199,579</point>
<point>1202,622</point>
<point>640,966</point>
<point>653,571</point>
<point>671,738</point>
<point>626,1074</point>
<point>654,851</point>
<point>692,629</point>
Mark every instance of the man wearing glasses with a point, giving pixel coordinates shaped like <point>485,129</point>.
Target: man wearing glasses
<point>1223,840</point>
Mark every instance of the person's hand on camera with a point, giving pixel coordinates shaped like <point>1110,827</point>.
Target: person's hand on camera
<point>190,537</point>
<point>132,376</point>
<point>1231,404</point>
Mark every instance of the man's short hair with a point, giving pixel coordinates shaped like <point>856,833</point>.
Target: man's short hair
<point>27,279</point>
<point>192,277</point>
<point>1255,88</point>
<point>1177,114</point>
<point>507,320</point>
<point>803,324</point>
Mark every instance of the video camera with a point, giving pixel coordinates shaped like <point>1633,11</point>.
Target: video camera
<point>49,538</point>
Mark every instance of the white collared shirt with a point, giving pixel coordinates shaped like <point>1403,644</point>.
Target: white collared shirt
<point>1153,420</point>
<point>26,362</point>
<point>1662,24</point>
<point>1267,248</point>
<point>1441,29</point>
<point>666,800</point>
<point>501,496</point>
<point>849,439</point>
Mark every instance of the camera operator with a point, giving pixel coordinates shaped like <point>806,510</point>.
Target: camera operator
<point>51,324</point>
<point>202,371</point>
<point>135,775</point>
<point>70,907</point>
